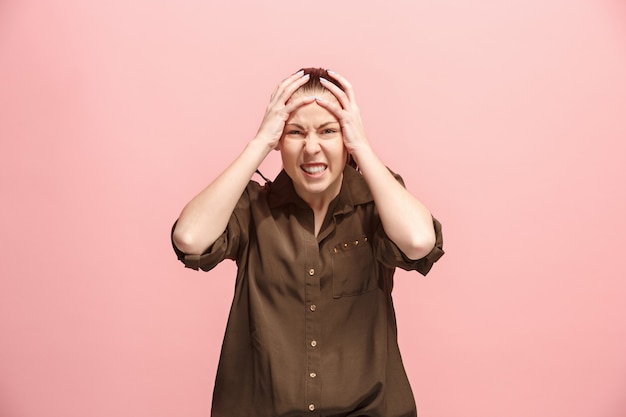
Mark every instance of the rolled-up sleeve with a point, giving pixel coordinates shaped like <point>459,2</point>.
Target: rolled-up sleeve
<point>226,246</point>
<point>206,261</point>
<point>391,255</point>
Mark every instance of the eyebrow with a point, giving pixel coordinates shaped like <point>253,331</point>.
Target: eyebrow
<point>319,127</point>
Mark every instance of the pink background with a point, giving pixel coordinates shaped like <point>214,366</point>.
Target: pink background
<point>506,117</point>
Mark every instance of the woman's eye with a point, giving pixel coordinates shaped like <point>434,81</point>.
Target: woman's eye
<point>294,132</point>
<point>329,131</point>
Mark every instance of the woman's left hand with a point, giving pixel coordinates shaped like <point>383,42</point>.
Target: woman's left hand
<point>347,112</point>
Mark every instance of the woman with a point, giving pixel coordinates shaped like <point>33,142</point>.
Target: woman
<point>312,328</point>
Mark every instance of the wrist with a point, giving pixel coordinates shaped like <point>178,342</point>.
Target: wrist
<point>261,145</point>
<point>362,153</point>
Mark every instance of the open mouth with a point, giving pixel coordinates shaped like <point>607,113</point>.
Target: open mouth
<point>313,169</point>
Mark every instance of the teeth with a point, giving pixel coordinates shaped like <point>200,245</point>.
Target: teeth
<point>314,169</point>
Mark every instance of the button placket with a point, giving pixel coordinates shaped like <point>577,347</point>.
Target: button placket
<point>312,300</point>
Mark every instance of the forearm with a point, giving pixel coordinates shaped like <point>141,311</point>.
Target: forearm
<point>406,221</point>
<point>206,216</point>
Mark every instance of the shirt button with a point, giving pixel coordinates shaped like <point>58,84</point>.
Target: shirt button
<point>313,343</point>
<point>311,407</point>
<point>313,307</point>
<point>311,271</point>
<point>312,374</point>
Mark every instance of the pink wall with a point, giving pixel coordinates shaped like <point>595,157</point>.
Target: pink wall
<point>507,118</point>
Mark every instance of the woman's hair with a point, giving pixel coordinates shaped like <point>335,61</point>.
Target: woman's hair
<point>315,85</point>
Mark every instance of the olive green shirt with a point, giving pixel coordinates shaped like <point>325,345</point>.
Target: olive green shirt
<point>312,328</point>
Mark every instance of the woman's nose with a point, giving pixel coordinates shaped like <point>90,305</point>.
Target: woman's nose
<point>311,143</point>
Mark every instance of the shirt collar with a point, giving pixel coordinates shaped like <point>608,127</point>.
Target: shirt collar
<point>354,191</point>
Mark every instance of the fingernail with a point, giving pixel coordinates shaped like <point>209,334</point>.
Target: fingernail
<point>319,98</point>
<point>299,72</point>
<point>322,79</point>
<point>331,72</point>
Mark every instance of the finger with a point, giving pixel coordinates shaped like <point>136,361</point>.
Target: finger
<point>287,87</point>
<point>285,81</point>
<point>339,94</point>
<point>329,105</point>
<point>347,87</point>
<point>296,74</point>
<point>291,88</point>
<point>341,80</point>
<point>296,103</point>
<point>350,125</point>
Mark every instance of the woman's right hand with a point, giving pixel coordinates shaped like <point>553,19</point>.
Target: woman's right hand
<point>280,107</point>
<point>206,216</point>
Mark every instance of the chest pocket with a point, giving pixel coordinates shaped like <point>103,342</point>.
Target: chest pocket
<point>353,268</point>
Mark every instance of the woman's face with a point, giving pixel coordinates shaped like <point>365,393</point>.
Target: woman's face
<point>313,152</point>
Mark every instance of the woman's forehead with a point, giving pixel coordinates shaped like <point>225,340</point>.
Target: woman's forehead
<point>321,93</point>
<point>312,114</point>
